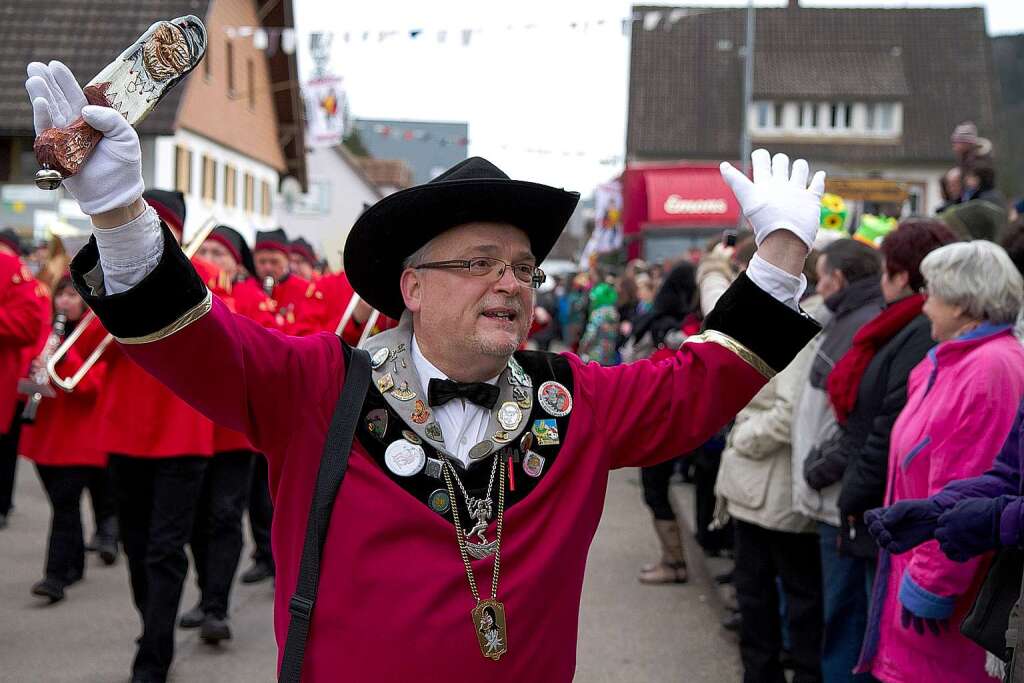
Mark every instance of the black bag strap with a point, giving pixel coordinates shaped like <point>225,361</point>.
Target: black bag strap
<point>333,464</point>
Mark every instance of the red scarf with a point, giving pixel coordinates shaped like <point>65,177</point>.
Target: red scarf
<point>844,380</point>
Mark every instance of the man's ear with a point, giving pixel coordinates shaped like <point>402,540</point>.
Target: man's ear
<point>412,289</point>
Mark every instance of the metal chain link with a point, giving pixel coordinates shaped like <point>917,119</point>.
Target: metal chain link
<point>461,538</point>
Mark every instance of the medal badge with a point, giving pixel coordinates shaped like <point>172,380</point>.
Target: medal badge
<point>522,398</point>
<point>411,437</point>
<point>439,501</point>
<point>480,450</point>
<point>380,357</point>
<point>433,468</point>
<point>516,375</point>
<point>403,393</point>
<point>509,416</point>
<point>555,399</point>
<point>433,432</point>
<point>377,422</point>
<point>491,630</point>
<point>501,436</point>
<point>404,459</point>
<point>526,443</point>
<point>546,432</point>
<point>533,464</point>
<point>420,414</point>
<point>385,383</point>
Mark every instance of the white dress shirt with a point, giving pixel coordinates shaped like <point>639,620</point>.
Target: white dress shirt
<point>463,423</point>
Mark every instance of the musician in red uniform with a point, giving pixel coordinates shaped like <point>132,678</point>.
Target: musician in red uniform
<point>271,255</point>
<point>24,312</point>
<point>62,443</point>
<point>303,260</point>
<point>217,535</point>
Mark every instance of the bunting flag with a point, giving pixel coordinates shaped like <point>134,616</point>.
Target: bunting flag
<point>325,111</point>
<point>270,39</point>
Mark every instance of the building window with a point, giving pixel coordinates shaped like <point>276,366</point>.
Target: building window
<point>779,109</point>
<point>249,191</point>
<point>809,115</point>
<point>886,117</point>
<point>229,61</point>
<point>250,84</point>
<point>763,112</point>
<point>841,116</point>
<point>182,169</point>
<point>230,187</point>
<point>265,194</point>
<point>209,178</point>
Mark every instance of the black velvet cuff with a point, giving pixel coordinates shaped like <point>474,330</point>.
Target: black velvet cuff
<point>164,297</point>
<point>762,323</point>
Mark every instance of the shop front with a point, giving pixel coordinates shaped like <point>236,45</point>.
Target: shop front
<point>672,210</point>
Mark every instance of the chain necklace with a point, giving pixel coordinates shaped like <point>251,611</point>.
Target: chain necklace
<point>480,509</point>
<point>488,615</point>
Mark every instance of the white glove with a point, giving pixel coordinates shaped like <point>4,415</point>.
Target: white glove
<point>775,200</point>
<point>112,175</point>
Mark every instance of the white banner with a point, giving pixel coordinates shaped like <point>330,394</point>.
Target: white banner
<point>325,111</point>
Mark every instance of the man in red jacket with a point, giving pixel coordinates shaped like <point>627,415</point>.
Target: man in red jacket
<point>455,550</point>
<point>24,318</point>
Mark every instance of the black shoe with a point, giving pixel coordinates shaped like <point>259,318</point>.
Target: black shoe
<point>193,618</point>
<point>723,578</point>
<point>50,589</point>
<point>259,571</point>
<point>107,548</point>
<point>214,630</point>
<point>732,621</point>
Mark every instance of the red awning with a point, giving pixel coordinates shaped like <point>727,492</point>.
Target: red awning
<point>689,196</point>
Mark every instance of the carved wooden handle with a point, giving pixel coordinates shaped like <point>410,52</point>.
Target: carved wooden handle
<point>66,149</point>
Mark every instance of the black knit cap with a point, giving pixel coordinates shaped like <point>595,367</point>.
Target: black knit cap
<point>272,239</point>
<point>170,206</point>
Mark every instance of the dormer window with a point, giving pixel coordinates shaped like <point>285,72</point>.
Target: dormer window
<point>826,121</point>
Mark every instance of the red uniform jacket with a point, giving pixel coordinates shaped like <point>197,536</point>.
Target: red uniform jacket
<point>64,432</point>
<point>390,566</point>
<point>24,314</point>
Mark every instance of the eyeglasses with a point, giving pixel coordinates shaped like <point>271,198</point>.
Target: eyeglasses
<point>527,274</point>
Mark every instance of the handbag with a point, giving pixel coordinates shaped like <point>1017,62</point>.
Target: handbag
<point>333,465</point>
<point>989,616</point>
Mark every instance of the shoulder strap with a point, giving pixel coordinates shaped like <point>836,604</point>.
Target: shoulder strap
<point>333,464</point>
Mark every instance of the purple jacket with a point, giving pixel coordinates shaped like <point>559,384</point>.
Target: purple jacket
<point>1004,479</point>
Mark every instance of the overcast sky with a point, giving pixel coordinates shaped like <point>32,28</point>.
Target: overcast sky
<point>546,103</point>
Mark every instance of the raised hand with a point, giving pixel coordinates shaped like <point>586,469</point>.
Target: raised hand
<point>904,525</point>
<point>112,176</point>
<point>776,199</point>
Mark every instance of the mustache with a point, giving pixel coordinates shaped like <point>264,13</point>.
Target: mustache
<point>514,305</point>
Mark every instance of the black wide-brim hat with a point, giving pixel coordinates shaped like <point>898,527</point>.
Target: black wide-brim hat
<point>474,190</point>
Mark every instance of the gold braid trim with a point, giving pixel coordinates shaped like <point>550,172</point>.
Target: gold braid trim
<point>192,315</point>
<point>724,340</point>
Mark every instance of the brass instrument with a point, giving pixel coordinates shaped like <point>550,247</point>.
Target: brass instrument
<point>69,383</point>
<point>268,285</point>
<point>349,311</point>
<point>37,385</point>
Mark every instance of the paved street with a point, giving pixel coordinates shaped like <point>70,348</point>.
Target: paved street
<point>628,632</point>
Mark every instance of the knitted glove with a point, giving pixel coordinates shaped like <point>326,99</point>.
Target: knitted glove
<point>910,620</point>
<point>971,527</point>
<point>776,200</point>
<point>904,525</point>
<point>112,176</point>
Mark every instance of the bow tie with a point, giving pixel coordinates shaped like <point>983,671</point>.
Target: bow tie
<point>440,391</point>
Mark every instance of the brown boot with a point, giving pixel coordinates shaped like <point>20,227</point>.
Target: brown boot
<point>672,567</point>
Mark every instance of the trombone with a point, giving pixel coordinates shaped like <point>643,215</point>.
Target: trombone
<point>69,383</point>
<point>349,312</point>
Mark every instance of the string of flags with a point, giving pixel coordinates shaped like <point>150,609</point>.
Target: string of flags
<point>649,20</point>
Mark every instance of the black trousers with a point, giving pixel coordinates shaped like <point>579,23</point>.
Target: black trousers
<point>261,511</point>
<point>9,458</point>
<point>217,533</point>
<point>655,480</point>
<point>706,462</point>
<point>156,500</point>
<point>764,557</point>
<point>65,554</point>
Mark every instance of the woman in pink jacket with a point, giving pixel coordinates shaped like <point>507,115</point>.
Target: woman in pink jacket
<point>961,402</point>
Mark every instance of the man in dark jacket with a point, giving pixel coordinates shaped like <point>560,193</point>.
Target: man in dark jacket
<point>848,274</point>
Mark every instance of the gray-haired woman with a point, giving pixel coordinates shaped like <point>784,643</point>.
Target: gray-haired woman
<point>961,402</point>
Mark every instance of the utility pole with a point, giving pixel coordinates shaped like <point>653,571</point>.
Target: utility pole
<point>748,89</point>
